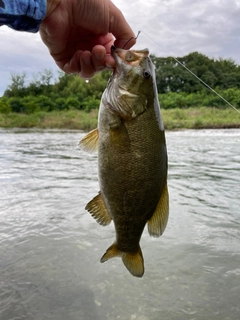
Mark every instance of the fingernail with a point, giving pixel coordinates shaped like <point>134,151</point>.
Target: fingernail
<point>108,66</point>
<point>99,56</point>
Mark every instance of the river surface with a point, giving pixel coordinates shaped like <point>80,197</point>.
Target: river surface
<point>50,246</point>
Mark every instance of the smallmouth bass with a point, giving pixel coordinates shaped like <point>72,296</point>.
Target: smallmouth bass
<point>132,158</point>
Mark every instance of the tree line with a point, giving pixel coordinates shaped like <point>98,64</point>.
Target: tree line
<point>176,86</point>
<point>217,73</point>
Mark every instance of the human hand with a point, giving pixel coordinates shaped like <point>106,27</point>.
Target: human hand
<point>79,34</point>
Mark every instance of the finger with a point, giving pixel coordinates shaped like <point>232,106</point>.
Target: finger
<point>107,41</point>
<point>87,68</point>
<point>119,27</point>
<point>110,61</point>
<point>98,57</point>
<point>73,66</point>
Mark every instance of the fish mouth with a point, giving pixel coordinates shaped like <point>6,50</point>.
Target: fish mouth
<point>113,53</point>
<point>113,48</point>
<point>140,53</point>
<point>132,58</point>
<point>116,56</point>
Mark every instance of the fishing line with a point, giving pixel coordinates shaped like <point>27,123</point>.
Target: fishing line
<point>192,73</point>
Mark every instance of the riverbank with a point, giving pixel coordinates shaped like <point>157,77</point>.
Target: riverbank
<point>190,118</point>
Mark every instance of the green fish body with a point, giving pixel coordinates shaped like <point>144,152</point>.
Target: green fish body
<point>132,158</point>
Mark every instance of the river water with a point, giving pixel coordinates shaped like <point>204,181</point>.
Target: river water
<point>50,246</point>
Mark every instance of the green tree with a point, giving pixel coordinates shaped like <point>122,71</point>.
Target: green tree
<point>17,87</point>
<point>172,76</point>
<point>16,104</point>
<point>4,105</point>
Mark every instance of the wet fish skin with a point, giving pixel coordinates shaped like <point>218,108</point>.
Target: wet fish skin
<point>132,158</point>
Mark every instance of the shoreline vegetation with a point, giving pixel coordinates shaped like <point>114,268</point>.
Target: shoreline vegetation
<point>68,102</point>
<point>174,119</point>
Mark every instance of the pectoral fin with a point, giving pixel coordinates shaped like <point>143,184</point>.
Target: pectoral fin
<point>96,207</point>
<point>89,143</point>
<point>159,219</point>
<point>132,261</point>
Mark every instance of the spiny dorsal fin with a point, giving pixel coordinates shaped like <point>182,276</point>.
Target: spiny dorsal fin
<point>159,219</point>
<point>98,210</point>
<point>132,261</point>
<point>89,143</point>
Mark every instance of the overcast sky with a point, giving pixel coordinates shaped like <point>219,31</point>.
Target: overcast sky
<point>211,27</point>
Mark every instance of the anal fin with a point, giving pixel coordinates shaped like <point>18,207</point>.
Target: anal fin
<point>96,207</point>
<point>89,143</point>
<point>159,219</point>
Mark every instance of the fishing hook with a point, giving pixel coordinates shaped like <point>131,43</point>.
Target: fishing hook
<point>131,39</point>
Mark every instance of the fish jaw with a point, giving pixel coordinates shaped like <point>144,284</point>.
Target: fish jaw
<point>131,57</point>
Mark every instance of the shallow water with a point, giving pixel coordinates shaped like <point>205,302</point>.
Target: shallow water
<point>50,246</point>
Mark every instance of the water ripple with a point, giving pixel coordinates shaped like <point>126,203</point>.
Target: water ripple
<point>50,246</point>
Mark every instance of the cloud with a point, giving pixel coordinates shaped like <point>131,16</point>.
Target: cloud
<point>183,26</point>
<point>177,27</point>
<point>21,52</point>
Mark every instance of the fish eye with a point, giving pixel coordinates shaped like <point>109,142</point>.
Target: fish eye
<point>146,74</point>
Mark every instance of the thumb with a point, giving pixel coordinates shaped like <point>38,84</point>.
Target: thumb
<point>120,29</point>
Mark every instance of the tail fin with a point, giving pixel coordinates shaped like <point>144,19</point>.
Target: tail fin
<point>133,261</point>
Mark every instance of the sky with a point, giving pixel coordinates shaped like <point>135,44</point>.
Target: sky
<point>169,28</point>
